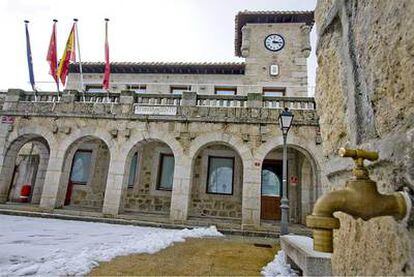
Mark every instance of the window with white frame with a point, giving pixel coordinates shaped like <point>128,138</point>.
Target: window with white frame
<point>133,170</point>
<point>220,175</point>
<point>81,167</point>
<point>225,90</point>
<point>179,89</point>
<point>165,172</point>
<point>274,91</point>
<point>137,88</point>
<point>94,88</point>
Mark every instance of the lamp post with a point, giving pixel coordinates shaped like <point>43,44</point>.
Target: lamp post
<point>285,122</point>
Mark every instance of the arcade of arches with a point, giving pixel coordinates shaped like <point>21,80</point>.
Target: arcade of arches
<point>216,179</point>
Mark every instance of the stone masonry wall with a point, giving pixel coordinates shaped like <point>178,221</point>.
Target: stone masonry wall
<point>92,194</point>
<point>144,196</point>
<point>205,204</point>
<point>365,98</point>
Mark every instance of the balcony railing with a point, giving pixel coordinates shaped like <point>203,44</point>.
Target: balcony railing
<point>145,99</point>
<point>221,100</point>
<point>190,99</point>
<point>97,97</point>
<point>293,103</point>
<point>253,108</point>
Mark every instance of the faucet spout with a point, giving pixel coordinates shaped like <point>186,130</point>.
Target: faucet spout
<point>360,199</point>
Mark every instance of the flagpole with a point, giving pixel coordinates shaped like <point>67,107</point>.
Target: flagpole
<point>80,60</point>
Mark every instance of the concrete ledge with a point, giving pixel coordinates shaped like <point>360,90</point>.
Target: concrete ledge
<point>299,250</point>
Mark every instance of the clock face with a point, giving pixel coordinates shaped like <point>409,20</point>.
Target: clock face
<point>274,42</point>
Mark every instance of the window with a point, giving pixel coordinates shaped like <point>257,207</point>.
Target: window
<point>270,183</point>
<point>166,172</point>
<point>180,89</point>
<point>225,90</point>
<point>133,170</point>
<point>220,175</point>
<point>274,91</point>
<point>81,167</point>
<point>94,88</point>
<point>137,88</point>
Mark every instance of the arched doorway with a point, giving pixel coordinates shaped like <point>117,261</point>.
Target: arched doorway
<point>301,180</point>
<point>24,169</point>
<point>217,182</point>
<point>84,175</point>
<point>148,178</point>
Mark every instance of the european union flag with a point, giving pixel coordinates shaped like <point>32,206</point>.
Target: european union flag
<point>29,57</point>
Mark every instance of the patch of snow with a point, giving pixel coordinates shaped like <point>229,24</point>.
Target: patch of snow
<point>52,247</point>
<point>278,267</point>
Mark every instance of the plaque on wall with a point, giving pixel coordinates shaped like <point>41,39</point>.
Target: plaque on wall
<point>156,110</point>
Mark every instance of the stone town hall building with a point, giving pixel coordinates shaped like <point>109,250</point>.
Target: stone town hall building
<point>173,142</point>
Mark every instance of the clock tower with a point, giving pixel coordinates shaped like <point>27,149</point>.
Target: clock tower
<point>275,46</point>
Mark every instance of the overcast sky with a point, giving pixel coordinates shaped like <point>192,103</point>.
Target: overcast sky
<point>139,30</point>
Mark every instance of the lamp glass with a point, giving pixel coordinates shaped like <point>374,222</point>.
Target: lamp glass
<point>285,120</point>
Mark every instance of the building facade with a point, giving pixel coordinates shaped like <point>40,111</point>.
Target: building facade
<point>174,140</point>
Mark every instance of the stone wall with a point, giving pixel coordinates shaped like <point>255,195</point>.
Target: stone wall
<point>207,204</point>
<point>144,196</point>
<point>365,98</point>
<point>92,194</point>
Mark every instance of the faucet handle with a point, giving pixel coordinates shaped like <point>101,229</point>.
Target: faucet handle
<point>359,155</point>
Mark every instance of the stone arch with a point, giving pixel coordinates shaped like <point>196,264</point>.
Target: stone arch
<point>9,160</point>
<point>100,145</point>
<point>213,138</point>
<point>309,169</point>
<point>216,145</point>
<point>150,147</point>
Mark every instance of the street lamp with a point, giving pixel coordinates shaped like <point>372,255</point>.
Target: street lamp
<point>285,122</point>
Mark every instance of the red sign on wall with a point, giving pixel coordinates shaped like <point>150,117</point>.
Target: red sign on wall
<point>294,180</point>
<point>7,119</point>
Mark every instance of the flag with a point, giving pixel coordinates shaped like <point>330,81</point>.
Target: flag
<point>52,55</point>
<point>107,71</point>
<point>29,56</point>
<point>67,57</point>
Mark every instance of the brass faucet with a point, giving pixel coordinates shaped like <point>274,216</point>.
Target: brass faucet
<point>360,199</point>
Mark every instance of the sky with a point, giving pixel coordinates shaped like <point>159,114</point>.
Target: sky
<point>139,30</point>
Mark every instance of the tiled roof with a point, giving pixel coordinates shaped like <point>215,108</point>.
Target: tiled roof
<point>268,17</point>
<point>161,68</point>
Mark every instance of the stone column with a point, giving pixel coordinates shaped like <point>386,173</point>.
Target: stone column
<point>251,199</point>
<point>254,100</point>
<point>51,186</point>
<point>114,185</point>
<point>189,98</point>
<point>181,192</point>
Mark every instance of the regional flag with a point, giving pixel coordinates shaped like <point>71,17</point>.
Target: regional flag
<point>52,54</point>
<point>67,57</point>
<point>29,57</point>
<point>107,71</point>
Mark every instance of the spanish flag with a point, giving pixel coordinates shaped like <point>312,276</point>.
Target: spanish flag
<point>67,57</point>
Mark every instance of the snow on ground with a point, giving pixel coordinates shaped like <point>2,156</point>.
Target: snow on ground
<point>51,247</point>
<point>278,267</point>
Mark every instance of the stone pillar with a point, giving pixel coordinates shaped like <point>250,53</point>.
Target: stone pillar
<point>13,96</point>
<point>181,192</point>
<point>254,100</point>
<point>114,185</point>
<point>126,97</point>
<point>50,191</point>
<point>251,199</point>
<point>189,98</point>
<point>68,98</point>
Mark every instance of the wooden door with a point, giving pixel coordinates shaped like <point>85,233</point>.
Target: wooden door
<point>271,189</point>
